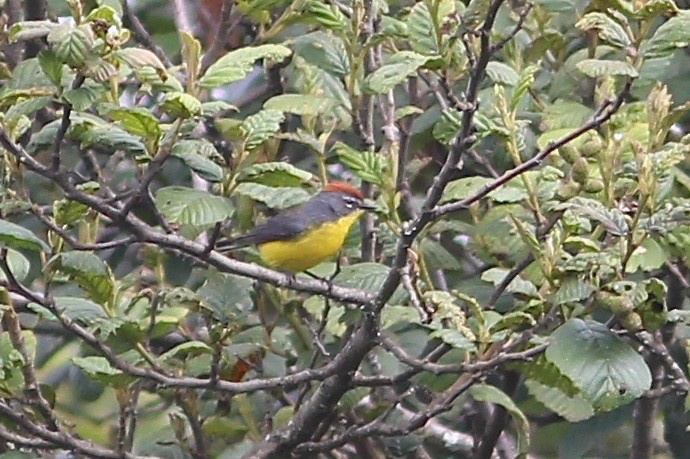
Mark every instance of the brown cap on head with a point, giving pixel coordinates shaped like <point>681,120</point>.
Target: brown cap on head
<point>343,187</point>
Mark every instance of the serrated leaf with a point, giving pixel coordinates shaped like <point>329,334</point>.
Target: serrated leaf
<point>82,98</point>
<point>137,58</point>
<point>237,64</point>
<point>72,44</point>
<point>88,271</point>
<point>300,104</point>
<point>137,121</point>
<point>18,237</point>
<point>181,105</point>
<point>607,370</point>
<point>51,66</point>
<point>273,197</point>
<point>29,30</point>
<point>274,174</point>
<point>389,76</point>
<point>501,73</point>
<point>367,277</point>
<point>612,219</point>
<point>423,37</point>
<point>227,295</point>
<point>407,110</point>
<point>324,51</point>
<point>185,349</point>
<point>609,30</point>
<point>100,370</point>
<point>453,338</point>
<point>595,68</point>
<point>447,127</point>
<point>517,285</point>
<point>573,289</point>
<point>670,36</point>
<point>187,206</point>
<point>90,132</point>
<point>66,212</point>
<point>486,393</point>
<point>573,408</point>
<point>197,154</point>
<point>260,127</point>
<point>74,308</point>
<point>366,165</point>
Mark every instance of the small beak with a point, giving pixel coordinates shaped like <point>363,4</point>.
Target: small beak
<point>367,205</point>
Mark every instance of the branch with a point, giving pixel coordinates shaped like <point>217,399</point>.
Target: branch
<point>64,125</point>
<point>602,115</point>
<point>131,21</point>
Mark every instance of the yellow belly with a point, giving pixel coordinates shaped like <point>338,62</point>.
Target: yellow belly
<point>307,251</point>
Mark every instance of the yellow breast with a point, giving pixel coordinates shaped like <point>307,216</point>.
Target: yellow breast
<point>315,246</point>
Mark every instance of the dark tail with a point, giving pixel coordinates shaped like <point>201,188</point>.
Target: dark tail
<point>226,244</point>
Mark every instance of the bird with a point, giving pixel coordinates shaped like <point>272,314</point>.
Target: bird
<point>301,237</point>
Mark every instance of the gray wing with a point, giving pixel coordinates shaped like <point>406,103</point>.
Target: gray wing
<point>289,223</point>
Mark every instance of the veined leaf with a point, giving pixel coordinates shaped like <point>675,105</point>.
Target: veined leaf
<point>18,237</point>
<point>300,104</point>
<point>273,197</point>
<point>388,76</point>
<point>260,127</point>
<point>607,370</point>
<point>197,154</point>
<point>274,174</point>
<point>187,206</point>
<point>236,64</point>
<point>486,393</point>
<point>595,68</point>
<point>91,273</point>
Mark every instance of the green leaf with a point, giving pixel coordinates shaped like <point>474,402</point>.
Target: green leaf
<point>260,127</point>
<point>236,64</point>
<point>74,308</point>
<point>181,105</point>
<point>185,349</point>
<point>607,28</point>
<point>366,165</point>
<point>98,369</point>
<point>138,121</point>
<point>367,277</point>
<point>501,73</point>
<point>273,197</point>
<point>523,85</point>
<point>29,30</point>
<point>18,237</point>
<point>136,58</point>
<point>595,68</point>
<point>612,219</point>
<point>573,408</point>
<point>197,154</point>
<point>51,66</point>
<point>228,296</point>
<point>72,44</point>
<point>82,98</point>
<point>517,285</point>
<point>19,265</point>
<point>191,53</point>
<point>67,212</point>
<point>390,75</point>
<point>187,206</point>
<point>407,110</point>
<point>573,289</point>
<point>670,36</point>
<point>274,174</point>
<point>607,370</point>
<point>486,393</point>
<point>453,338</point>
<point>329,16</point>
<point>91,132</point>
<point>460,189</point>
<point>91,273</point>
<point>447,127</point>
<point>423,37</point>
<point>300,104</point>
<point>324,51</point>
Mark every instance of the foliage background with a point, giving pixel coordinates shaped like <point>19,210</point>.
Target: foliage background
<point>519,291</point>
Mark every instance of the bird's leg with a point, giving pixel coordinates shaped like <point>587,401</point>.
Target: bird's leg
<point>329,279</point>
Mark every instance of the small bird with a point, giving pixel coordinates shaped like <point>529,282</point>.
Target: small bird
<point>301,237</point>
